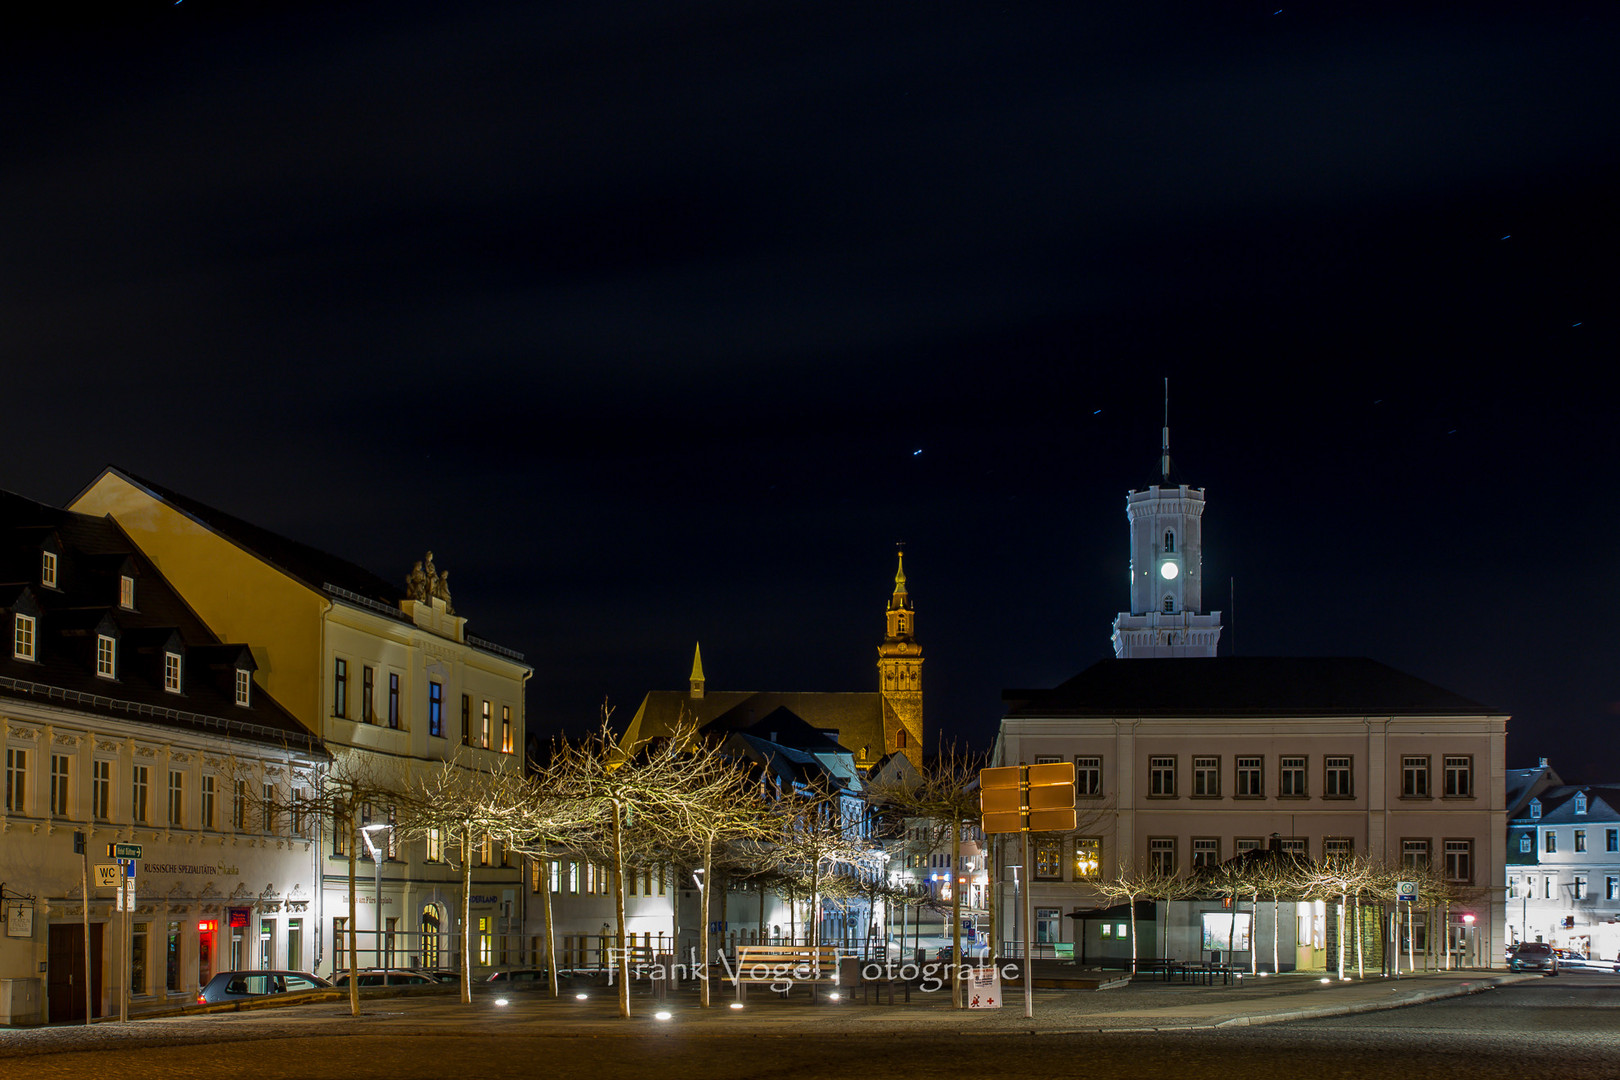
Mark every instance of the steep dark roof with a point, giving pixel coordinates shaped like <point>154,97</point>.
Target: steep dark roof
<point>94,554</point>
<point>1240,686</point>
<point>312,566</point>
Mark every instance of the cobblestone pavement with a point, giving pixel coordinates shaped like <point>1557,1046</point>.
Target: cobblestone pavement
<point>1140,1006</point>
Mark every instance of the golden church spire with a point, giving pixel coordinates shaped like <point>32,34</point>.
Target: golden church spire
<point>900,672</point>
<point>697,670</point>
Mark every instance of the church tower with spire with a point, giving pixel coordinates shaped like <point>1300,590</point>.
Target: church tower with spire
<point>900,674</point>
<point>1167,616</point>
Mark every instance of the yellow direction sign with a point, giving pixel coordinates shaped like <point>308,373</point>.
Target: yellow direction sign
<point>108,875</point>
<point>1033,798</point>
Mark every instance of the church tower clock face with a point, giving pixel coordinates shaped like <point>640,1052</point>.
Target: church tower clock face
<point>1169,571</point>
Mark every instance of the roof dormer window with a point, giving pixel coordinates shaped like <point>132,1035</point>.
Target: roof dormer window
<point>244,687</point>
<point>106,656</point>
<point>171,672</point>
<point>1580,802</point>
<point>126,592</point>
<point>23,637</point>
<point>1535,809</point>
<point>47,569</point>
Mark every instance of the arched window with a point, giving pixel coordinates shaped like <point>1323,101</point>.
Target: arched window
<point>1169,541</point>
<point>900,739</point>
<point>1169,603</point>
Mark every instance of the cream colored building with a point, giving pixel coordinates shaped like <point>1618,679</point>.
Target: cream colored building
<point>124,720</point>
<point>1187,763</point>
<point>376,668</point>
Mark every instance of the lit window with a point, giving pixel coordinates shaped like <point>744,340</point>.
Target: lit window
<point>488,733</point>
<point>436,709</point>
<point>106,657</point>
<point>1048,861</point>
<point>126,592</point>
<point>1087,857</point>
<point>506,729</point>
<point>435,846</point>
<point>47,569</point>
<point>22,637</point>
<point>244,686</point>
<point>171,672</point>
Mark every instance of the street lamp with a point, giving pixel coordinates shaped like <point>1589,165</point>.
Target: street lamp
<point>376,895</point>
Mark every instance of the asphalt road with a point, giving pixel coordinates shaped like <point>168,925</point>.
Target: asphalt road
<point>1547,1028</point>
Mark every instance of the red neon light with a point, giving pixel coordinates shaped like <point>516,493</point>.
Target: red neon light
<point>205,926</point>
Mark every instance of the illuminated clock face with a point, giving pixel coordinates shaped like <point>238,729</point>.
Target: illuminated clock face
<point>1168,571</point>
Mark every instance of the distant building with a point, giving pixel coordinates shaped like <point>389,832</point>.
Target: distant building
<point>1563,862</point>
<point>369,667</point>
<point>125,719</point>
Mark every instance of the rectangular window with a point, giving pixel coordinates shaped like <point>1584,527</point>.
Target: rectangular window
<point>573,878</point>
<point>486,852</point>
<point>244,687</point>
<point>171,672</point>
<point>1336,778</point>
<point>239,807</point>
<point>268,810</point>
<point>1291,777</point>
<point>208,802</point>
<point>506,729</point>
<point>1088,776</point>
<point>1048,925</point>
<point>1460,861</point>
<point>393,700</point>
<point>137,794</point>
<point>1087,857</point>
<point>1525,844</point>
<point>1611,840</point>
<point>106,657</point>
<point>1514,887</point>
<point>1047,759</point>
<point>1048,860</point>
<point>1414,854</point>
<point>1580,887</point>
<point>436,709</point>
<point>466,719</point>
<point>1414,778</point>
<point>295,944</point>
<point>101,790</point>
<point>341,826</point>
<point>1551,842</point>
<point>486,740</point>
<point>1580,839</point>
<point>16,780</point>
<point>368,694</point>
<point>22,637</point>
<point>1206,852</point>
<point>1162,776</point>
<point>1206,777</point>
<point>177,798</point>
<point>1247,843</point>
<point>1611,888</point>
<point>340,688</point>
<point>1549,885</point>
<point>126,592</point>
<point>1337,847</point>
<point>1162,856</point>
<point>139,934</point>
<point>1293,845</point>
<point>1459,777</point>
<point>1251,777</point>
<point>59,785</point>
<point>435,846</point>
<point>47,569</point>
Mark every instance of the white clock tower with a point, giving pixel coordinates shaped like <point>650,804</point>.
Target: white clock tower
<point>1167,574</point>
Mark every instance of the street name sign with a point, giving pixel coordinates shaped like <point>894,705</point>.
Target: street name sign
<point>123,851</point>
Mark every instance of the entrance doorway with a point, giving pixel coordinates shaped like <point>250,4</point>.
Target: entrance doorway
<point>65,981</point>
<point>430,936</point>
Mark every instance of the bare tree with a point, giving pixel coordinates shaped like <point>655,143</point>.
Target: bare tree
<point>820,831</point>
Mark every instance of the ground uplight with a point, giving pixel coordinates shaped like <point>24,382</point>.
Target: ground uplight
<point>581,997</point>
<point>662,1015</point>
<point>500,1001</point>
<point>736,1004</point>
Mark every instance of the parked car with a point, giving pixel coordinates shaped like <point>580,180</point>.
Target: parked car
<point>242,985</point>
<point>387,977</point>
<point>1575,961</point>
<point>518,976</point>
<point>443,975</point>
<point>1534,956</point>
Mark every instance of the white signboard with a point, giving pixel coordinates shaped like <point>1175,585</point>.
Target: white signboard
<point>19,919</point>
<point>984,988</point>
<point>108,875</point>
<point>126,895</point>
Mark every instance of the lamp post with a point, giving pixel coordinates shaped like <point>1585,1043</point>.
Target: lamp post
<point>376,895</point>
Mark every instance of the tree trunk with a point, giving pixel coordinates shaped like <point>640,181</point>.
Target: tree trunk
<point>1131,900</point>
<point>354,922</point>
<point>956,916</point>
<point>761,938</point>
<point>1276,912</point>
<point>618,906</point>
<point>1341,905</point>
<point>814,936</point>
<point>703,931</point>
<point>1361,967</point>
<point>466,915</point>
<point>551,929</point>
<point>1254,928</point>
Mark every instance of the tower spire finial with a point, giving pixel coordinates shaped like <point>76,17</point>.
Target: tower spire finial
<point>697,679</point>
<point>1164,451</point>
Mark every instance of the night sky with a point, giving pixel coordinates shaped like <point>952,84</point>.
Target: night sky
<point>664,322</point>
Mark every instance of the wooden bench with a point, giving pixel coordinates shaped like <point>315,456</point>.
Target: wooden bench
<point>784,967</point>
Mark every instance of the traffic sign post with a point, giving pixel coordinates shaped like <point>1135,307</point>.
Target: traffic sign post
<point>1025,799</point>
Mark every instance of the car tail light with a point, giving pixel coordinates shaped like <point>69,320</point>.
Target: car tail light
<point>201,1000</point>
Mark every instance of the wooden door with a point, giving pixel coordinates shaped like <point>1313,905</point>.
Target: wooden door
<point>65,967</point>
